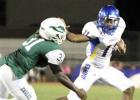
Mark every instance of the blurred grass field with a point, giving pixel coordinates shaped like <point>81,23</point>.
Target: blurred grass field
<point>51,91</point>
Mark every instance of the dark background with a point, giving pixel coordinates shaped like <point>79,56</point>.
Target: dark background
<point>20,18</point>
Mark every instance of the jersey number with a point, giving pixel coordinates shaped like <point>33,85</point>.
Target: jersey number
<point>29,44</point>
<point>105,51</point>
<point>60,57</point>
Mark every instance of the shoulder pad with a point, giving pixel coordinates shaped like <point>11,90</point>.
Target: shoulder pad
<point>122,23</point>
<point>55,57</point>
<point>90,29</point>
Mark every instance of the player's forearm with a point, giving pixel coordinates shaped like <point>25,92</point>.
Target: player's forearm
<point>76,37</point>
<point>66,81</point>
<point>62,77</point>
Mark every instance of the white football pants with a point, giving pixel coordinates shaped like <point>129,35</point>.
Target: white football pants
<point>89,74</point>
<point>18,88</point>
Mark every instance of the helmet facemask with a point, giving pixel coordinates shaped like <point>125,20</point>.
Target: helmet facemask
<point>111,23</point>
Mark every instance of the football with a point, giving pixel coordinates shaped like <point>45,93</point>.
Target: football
<point>121,47</point>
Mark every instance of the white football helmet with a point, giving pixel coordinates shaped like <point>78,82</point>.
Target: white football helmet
<point>53,29</point>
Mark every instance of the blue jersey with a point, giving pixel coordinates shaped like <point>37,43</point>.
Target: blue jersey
<point>101,45</point>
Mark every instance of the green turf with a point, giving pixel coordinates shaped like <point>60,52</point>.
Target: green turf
<point>50,91</point>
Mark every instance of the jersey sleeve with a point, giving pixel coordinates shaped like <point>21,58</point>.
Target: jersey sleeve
<point>55,57</point>
<point>90,30</point>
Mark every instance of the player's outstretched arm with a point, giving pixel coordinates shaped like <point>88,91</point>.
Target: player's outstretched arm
<point>67,82</point>
<point>77,37</point>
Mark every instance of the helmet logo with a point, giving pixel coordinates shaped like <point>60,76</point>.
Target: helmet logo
<point>58,29</point>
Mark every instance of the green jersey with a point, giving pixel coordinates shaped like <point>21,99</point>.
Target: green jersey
<point>35,51</point>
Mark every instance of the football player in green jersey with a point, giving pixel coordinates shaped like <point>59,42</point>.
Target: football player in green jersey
<point>40,49</point>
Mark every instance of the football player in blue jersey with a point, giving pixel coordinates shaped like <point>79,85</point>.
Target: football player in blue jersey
<point>104,36</point>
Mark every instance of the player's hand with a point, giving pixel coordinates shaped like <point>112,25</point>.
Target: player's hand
<point>82,94</point>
